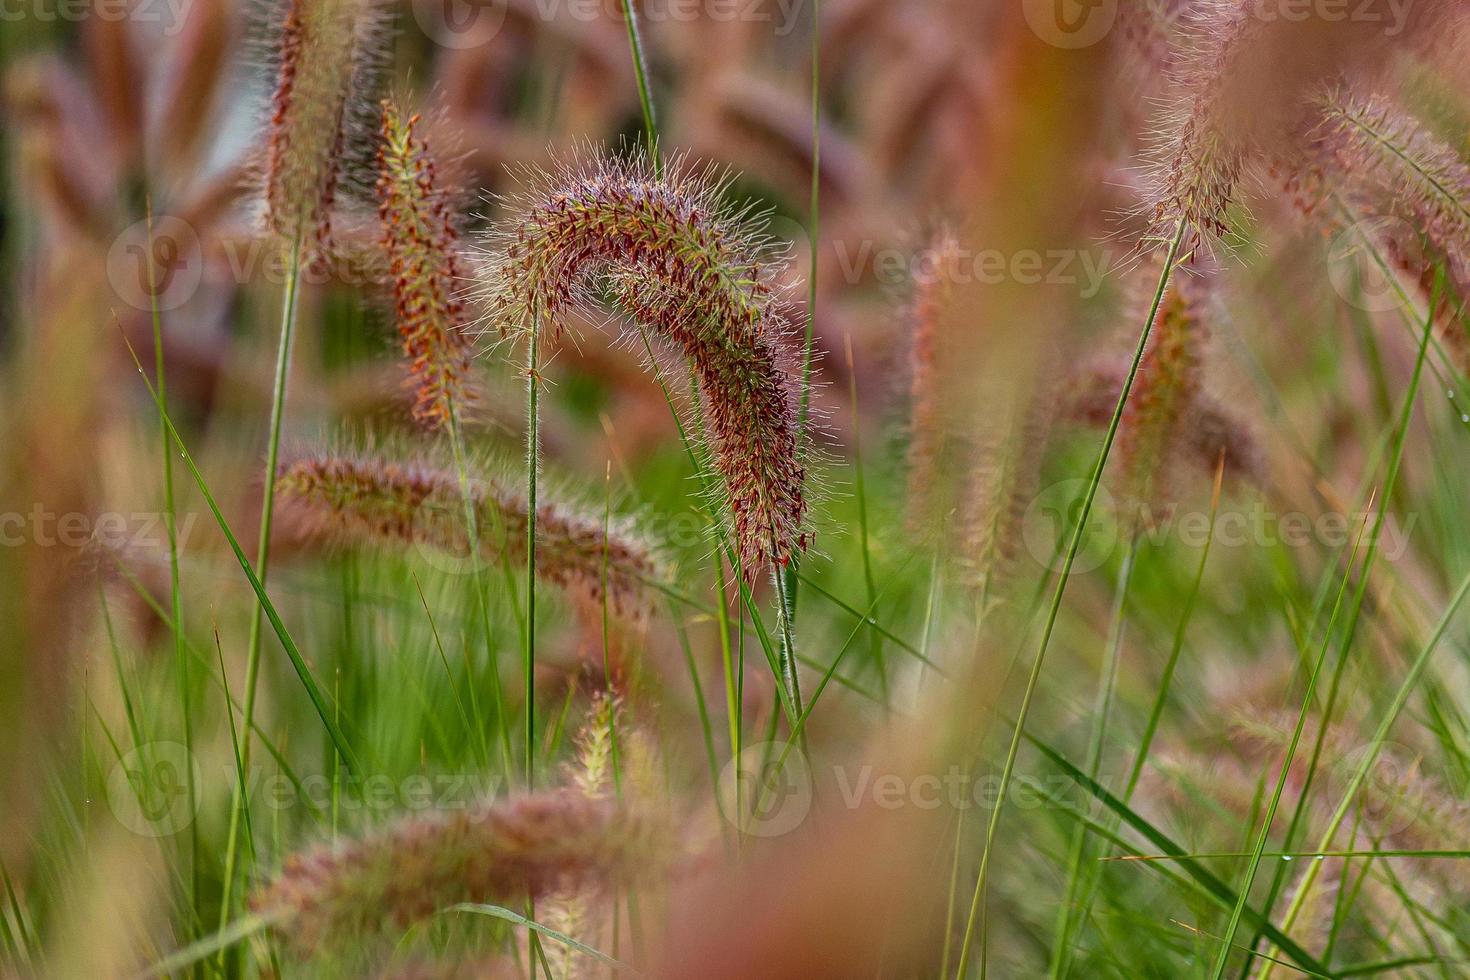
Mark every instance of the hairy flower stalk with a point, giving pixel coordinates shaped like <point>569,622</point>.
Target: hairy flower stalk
<point>422,244</point>
<point>375,500</point>
<point>670,254</point>
<point>323,50</point>
<point>498,852</point>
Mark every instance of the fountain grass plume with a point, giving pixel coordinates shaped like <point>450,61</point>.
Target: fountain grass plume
<point>501,852</point>
<point>326,53</point>
<point>664,248</point>
<point>377,500</point>
<point>428,270</point>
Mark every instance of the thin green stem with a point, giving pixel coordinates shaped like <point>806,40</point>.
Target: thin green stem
<point>472,530</point>
<point>1405,418</point>
<point>533,463</point>
<point>170,523</point>
<point>240,797</point>
<point>640,73</point>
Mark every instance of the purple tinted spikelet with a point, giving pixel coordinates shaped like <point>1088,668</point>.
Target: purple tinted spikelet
<point>671,255</point>
<point>500,852</point>
<point>322,52</point>
<point>428,271</point>
<point>382,501</point>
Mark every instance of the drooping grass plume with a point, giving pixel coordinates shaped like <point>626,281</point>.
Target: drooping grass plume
<point>375,500</point>
<point>669,253</point>
<point>498,852</point>
<point>1245,79</point>
<point>325,53</point>
<point>1410,190</point>
<point>428,270</point>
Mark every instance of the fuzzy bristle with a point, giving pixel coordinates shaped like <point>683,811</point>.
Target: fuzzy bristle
<point>322,53</point>
<point>502,852</point>
<point>679,262</point>
<point>1246,81</point>
<point>423,248</point>
<point>384,501</point>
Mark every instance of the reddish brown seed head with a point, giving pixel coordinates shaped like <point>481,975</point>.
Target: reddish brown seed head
<point>672,256</point>
<point>427,268</point>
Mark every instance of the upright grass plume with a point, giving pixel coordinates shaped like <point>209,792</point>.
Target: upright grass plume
<point>930,302</point>
<point>668,252</point>
<point>383,501</point>
<point>325,49</point>
<point>498,852</point>
<point>1168,383</point>
<point>428,270</point>
<point>1003,482</point>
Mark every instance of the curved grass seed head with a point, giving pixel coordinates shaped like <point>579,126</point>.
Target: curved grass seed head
<point>380,501</point>
<point>670,254</point>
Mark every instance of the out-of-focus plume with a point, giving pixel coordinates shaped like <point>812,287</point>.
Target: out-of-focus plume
<point>385,501</point>
<point>501,852</point>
